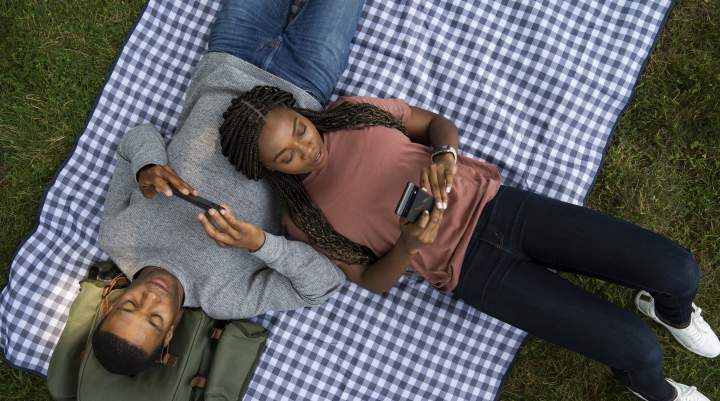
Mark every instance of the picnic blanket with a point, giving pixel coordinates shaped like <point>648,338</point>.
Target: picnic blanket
<point>534,86</point>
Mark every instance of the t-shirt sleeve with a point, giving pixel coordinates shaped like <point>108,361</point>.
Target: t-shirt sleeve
<point>397,107</point>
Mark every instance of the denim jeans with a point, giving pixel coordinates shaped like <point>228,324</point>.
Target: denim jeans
<point>520,234</point>
<point>310,51</point>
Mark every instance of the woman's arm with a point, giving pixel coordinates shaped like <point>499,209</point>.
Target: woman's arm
<point>423,126</point>
<point>380,276</point>
<point>428,128</point>
<point>431,129</point>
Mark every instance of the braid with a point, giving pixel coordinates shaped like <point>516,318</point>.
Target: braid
<point>239,132</point>
<point>312,221</point>
<point>351,115</point>
<point>243,121</point>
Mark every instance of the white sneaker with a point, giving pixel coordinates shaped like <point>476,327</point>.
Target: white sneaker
<point>684,393</point>
<point>698,337</point>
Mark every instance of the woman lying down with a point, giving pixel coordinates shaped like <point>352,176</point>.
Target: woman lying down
<point>340,172</point>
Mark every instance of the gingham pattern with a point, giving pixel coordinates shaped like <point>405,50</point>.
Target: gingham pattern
<point>535,87</point>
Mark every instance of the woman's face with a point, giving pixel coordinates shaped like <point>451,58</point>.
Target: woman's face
<point>290,143</point>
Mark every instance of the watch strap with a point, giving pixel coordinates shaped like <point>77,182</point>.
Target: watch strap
<point>439,150</point>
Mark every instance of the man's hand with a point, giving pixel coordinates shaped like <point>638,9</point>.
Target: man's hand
<point>438,178</point>
<point>227,231</point>
<point>154,179</point>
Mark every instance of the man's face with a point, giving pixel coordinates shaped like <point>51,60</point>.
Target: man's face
<point>146,314</point>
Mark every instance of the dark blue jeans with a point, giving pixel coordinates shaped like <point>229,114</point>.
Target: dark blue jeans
<point>310,51</point>
<point>520,234</point>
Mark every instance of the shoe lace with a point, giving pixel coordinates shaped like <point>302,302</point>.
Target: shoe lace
<point>686,391</point>
<point>698,321</point>
<point>698,328</point>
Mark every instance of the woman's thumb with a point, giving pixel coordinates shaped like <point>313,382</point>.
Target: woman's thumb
<point>424,219</point>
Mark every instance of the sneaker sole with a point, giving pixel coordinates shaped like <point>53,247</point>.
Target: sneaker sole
<point>638,395</point>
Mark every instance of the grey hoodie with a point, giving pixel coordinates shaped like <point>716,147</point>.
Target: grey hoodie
<point>227,283</point>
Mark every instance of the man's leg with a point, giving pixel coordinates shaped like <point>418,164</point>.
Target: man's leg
<point>247,28</point>
<point>314,48</point>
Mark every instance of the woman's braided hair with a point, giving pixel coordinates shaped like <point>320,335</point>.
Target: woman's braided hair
<point>239,133</point>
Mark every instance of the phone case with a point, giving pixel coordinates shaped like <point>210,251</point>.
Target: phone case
<point>200,202</point>
<point>413,202</point>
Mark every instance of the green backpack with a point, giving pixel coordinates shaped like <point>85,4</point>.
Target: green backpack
<point>208,359</point>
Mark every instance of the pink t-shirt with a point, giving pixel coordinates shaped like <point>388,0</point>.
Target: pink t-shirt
<point>366,173</point>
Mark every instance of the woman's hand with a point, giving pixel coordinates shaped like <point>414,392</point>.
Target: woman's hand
<point>420,233</point>
<point>227,231</point>
<point>438,178</point>
<point>153,179</point>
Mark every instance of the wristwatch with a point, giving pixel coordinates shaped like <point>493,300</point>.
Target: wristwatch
<point>439,150</point>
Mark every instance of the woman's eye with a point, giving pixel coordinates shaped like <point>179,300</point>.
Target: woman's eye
<point>288,160</point>
<point>303,131</point>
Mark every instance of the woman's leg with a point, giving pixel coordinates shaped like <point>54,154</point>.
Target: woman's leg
<point>548,306</point>
<point>314,48</point>
<point>247,28</point>
<point>534,232</point>
<point>580,240</point>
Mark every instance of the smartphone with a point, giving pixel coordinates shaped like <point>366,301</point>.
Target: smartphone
<point>200,202</point>
<point>413,202</point>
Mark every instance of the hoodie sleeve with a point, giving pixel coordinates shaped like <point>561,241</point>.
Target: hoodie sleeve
<point>139,147</point>
<point>295,276</point>
<point>311,273</point>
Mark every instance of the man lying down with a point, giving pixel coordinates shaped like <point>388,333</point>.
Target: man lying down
<point>238,266</point>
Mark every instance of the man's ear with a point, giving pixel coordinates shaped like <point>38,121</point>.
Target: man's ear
<point>179,316</point>
<point>110,308</point>
<point>169,336</point>
<point>171,332</point>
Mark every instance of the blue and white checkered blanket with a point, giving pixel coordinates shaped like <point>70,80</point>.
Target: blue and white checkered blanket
<point>534,86</point>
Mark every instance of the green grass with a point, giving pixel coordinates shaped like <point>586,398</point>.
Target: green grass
<point>662,170</point>
<point>54,58</point>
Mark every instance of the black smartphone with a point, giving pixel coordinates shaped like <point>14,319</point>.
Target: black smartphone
<point>198,201</point>
<point>413,202</point>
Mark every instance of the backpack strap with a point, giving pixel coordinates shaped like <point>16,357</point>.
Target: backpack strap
<point>118,281</point>
<point>216,333</point>
<point>199,382</point>
<point>166,358</point>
